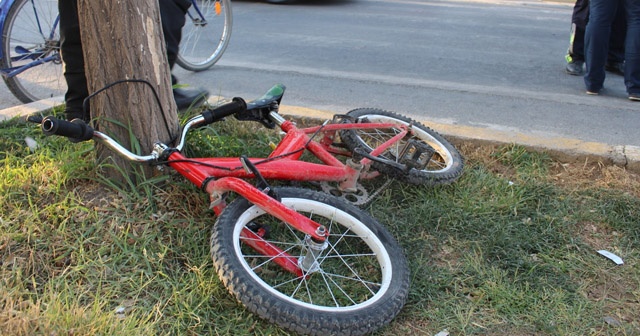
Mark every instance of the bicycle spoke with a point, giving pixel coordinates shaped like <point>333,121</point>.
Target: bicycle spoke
<point>205,34</point>
<point>339,279</point>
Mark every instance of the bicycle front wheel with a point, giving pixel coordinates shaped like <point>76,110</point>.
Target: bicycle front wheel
<point>31,64</point>
<point>360,281</point>
<point>206,34</point>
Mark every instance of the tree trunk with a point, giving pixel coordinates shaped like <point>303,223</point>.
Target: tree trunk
<point>122,40</point>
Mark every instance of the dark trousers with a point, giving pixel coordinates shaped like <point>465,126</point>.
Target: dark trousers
<point>172,14</point>
<point>579,21</point>
<point>602,14</point>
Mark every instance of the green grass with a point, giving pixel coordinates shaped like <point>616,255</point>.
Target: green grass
<point>509,249</point>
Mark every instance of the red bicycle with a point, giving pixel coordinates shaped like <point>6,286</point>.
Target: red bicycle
<point>305,260</point>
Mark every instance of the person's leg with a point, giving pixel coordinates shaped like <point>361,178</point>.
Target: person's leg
<point>615,57</point>
<point>575,53</point>
<point>632,50</point>
<point>601,14</point>
<point>579,20</point>
<point>73,59</point>
<point>172,14</point>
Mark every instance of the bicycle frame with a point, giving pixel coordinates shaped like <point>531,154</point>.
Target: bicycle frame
<point>284,164</point>
<point>218,176</point>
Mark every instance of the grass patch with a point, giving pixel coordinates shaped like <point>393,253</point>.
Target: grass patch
<point>509,249</point>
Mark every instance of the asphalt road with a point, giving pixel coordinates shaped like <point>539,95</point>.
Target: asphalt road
<point>488,64</point>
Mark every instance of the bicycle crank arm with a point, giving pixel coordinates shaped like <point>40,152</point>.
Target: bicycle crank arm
<point>362,153</point>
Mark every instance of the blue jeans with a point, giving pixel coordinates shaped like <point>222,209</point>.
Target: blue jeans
<point>602,14</point>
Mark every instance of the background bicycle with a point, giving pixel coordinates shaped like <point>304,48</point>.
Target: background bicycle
<point>30,54</point>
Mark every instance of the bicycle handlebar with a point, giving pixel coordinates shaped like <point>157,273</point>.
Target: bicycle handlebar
<point>237,105</point>
<point>76,130</point>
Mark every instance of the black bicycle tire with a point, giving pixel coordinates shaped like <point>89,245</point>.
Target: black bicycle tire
<point>14,83</point>
<point>444,148</point>
<point>259,298</point>
<point>222,45</point>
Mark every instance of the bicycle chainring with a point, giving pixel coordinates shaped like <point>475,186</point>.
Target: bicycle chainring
<point>358,198</point>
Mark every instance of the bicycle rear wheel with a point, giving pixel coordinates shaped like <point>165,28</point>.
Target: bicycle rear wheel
<point>359,282</point>
<point>206,34</point>
<point>421,157</point>
<point>31,43</point>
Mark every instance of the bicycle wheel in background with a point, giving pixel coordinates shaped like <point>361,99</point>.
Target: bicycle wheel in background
<point>358,283</point>
<point>31,39</point>
<point>422,157</point>
<point>205,34</point>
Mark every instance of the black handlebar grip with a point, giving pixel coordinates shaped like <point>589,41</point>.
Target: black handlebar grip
<point>237,105</point>
<point>76,130</point>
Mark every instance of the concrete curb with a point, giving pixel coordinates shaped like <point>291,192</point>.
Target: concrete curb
<point>562,149</point>
<point>41,106</point>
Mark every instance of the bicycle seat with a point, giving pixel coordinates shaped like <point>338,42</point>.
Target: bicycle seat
<point>274,95</point>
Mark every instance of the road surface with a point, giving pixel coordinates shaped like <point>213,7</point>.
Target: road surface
<point>496,65</point>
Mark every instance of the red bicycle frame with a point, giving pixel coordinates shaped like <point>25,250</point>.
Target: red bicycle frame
<point>284,164</point>
<point>217,176</point>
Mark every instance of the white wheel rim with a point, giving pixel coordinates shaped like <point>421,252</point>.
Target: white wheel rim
<point>327,211</point>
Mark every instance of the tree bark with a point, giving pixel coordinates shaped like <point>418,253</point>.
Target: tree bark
<point>122,40</point>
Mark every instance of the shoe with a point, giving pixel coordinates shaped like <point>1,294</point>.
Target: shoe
<point>75,114</point>
<point>35,118</point>
<point>575,68</point>
<point>634,96</point>
<point>189,98</point>
<point>615,68</point>
<point>593,93</point>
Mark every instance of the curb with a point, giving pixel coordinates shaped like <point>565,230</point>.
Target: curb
<point>40,106</point>
<point>562,149</point>
<point>565,150</point>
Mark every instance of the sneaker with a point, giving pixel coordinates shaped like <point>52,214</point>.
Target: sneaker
<point>615,68</point>
<point>634,96</point>
<point>593,93</point>
<point>189,98</point>
<point>75,114</point>
<point>575,68</point>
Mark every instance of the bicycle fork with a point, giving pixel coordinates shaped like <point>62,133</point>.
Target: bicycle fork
<point>218,188</point>
<point>316,234</point>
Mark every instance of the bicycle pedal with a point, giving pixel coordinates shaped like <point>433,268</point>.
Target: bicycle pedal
<point>342,119</point>
<point>259,229</point>
<point>416,154</point>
